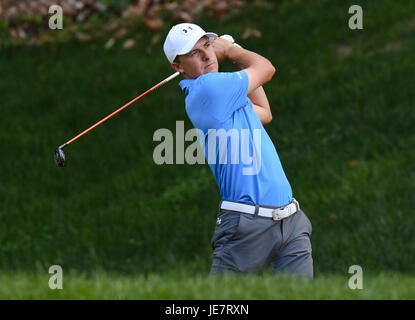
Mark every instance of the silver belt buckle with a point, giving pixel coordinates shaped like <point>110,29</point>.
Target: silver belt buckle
<point>275,215</point>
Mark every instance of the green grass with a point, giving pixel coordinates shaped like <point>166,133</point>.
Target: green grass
<point>342,102</point>
<point>181,286</point>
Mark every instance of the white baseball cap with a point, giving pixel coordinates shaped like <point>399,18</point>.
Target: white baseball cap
<point>182,38</point>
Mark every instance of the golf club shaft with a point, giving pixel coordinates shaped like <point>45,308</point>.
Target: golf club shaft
<point>120,109</point>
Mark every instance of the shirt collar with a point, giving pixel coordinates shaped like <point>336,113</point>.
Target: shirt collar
<point>185,84</point>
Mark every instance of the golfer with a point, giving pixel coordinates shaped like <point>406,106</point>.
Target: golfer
<point>259,224</point>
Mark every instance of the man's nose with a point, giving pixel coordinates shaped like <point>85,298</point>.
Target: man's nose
<point>205,55</point>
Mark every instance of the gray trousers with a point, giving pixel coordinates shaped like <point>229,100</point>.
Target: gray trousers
<point>244,243</point>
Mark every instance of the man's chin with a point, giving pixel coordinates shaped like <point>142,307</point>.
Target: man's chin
<point>211,69</point>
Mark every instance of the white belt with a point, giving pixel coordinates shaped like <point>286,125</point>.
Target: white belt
<point>274,213</point>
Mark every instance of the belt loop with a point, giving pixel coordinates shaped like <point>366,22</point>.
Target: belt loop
<point>256,210</point>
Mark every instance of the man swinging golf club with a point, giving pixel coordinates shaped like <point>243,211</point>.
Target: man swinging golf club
<point>259,223</point>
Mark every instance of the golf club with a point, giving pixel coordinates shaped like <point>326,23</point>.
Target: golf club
<point>60,157</point>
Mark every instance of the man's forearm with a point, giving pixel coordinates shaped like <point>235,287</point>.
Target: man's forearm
<point>261,105</point>
<point>259,101</point>
<point>259,69</point>
<point>244,58</point>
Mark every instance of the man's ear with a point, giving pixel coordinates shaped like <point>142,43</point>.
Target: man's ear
<point>176,66</point>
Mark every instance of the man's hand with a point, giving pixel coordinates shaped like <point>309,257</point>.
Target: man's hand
<point>221,46</point>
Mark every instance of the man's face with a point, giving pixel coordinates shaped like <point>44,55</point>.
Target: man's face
<point>200,60</point>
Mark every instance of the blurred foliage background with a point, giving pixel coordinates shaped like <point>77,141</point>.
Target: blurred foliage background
<point>27,22</point>
<point>343,105</point>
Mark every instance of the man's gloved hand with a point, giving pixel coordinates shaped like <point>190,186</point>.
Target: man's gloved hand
<point>231,39</point>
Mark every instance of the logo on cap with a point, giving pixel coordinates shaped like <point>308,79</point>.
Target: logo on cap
<point>187,30</point>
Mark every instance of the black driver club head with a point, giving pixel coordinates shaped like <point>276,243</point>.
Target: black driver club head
<point>60,157</point>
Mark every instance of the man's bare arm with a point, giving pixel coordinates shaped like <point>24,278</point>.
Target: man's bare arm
<point>259,101</point>
<point>261,105</point>
<point>259,69</point>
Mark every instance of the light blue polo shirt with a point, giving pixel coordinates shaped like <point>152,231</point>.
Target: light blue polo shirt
<point>237,148</point>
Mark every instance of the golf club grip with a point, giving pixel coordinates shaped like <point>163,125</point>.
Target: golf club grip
<point>123,107</point>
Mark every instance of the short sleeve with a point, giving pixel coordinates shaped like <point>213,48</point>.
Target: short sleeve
<point>225,92</point>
